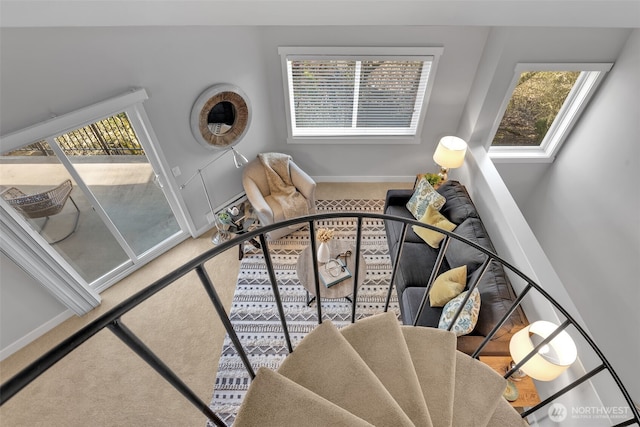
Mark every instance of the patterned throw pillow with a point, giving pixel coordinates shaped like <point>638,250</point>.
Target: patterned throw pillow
<point>423,196</point>
<point>468,316</point>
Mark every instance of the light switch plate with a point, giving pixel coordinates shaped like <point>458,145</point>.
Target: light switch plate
<point>176,171</point>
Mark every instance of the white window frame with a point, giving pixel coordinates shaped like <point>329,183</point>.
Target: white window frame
<point>591,76</point>
<point>391,53</point>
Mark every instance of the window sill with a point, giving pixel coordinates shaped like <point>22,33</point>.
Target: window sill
<point>520,155</point>
<point>352,140</point>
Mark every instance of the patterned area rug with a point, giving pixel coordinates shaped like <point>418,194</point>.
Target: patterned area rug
<point>254,313</point>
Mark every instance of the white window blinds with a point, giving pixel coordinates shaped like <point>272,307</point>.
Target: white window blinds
<point>356,96</point>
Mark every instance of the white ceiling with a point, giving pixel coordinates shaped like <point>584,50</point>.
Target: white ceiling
<point>545,13</point>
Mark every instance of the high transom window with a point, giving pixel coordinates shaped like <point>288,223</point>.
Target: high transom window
<point>545,102</point>
<point>348,92</point>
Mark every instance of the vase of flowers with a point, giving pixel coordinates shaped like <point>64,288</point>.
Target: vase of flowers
<point>324,235</point>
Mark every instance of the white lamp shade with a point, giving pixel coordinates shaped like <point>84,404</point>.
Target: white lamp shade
<point>450,152</point>
<point>552,359</point>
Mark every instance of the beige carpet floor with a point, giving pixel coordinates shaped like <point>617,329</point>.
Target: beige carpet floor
<point>102,383</point>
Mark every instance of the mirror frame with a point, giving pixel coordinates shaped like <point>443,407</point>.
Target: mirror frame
<point>200,113</point>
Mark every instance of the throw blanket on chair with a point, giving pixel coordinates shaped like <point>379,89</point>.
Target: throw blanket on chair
<point>276,166</point>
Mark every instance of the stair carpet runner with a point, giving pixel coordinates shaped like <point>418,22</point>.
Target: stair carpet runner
<point>377,373</point>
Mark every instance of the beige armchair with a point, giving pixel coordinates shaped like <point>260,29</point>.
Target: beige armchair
<point>268,211</point>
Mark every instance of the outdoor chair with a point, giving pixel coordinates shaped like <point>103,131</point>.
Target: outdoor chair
<point>43,205</point>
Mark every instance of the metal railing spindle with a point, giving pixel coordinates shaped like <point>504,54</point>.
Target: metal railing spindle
<point>537,348</point>
<point>142,350</point>
<point>501,322</point>
<point>357,272</point>
<point>484,267</point>
<point>434,273</point>
<point>564,390</point>
<point>396,263</point>
<point>276,291</point>
<point>222,314</point>
<point>316,272</point>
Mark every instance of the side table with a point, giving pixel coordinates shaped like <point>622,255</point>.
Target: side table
<point>243,222</point>
<point>304,269</point>
<point>527,393</point>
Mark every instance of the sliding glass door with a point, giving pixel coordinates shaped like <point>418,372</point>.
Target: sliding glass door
<point>110,213</point>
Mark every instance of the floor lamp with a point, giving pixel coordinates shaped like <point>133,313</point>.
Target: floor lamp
<point>239,161</point>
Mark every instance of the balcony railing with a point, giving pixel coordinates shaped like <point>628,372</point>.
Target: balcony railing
<point>112,320</point>
<point>112,136</point>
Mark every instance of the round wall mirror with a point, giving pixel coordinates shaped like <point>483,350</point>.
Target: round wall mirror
<point>220,117</point>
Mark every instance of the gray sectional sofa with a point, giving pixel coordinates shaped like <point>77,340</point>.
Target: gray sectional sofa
<point>418,258</point>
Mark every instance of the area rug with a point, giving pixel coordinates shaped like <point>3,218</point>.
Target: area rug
<point>254,313</point>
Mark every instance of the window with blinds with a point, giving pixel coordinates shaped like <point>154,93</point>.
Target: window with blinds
<point>356,95</point>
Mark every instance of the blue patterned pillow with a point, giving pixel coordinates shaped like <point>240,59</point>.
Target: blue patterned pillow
<point>468,316</point>
<point>423,196</point>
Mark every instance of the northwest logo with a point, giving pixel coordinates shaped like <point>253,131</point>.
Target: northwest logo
<point>557,412</point>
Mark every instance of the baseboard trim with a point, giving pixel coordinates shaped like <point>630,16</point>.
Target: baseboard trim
<point>409,178</point>
<point>35,334</point>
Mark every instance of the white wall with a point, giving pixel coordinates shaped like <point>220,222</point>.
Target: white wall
<point>26,308</point>
<point>585,213</point>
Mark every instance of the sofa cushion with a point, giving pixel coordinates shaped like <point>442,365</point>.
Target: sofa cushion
<point>411,299</point>
<point>497,297</point>
<point>435,218</point>
<point>447,286</point>
<point>423,196</point>
<point>458,206</point>
<point>460,253</point>
<point>415,266</point>
<point>394,228</point>
<point>466,321</point>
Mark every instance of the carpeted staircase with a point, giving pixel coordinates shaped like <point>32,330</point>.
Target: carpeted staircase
<point>376,372</point>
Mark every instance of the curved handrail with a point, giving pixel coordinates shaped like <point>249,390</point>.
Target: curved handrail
<point>112,318</point>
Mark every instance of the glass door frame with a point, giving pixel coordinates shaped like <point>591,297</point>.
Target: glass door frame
<point>79,295</point>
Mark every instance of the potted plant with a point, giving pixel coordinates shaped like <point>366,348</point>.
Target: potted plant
<point>433,178</point>
<point>225,219</point>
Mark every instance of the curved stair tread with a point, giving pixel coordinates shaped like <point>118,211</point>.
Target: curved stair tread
<point>506,416</point>
<point>326,364</point>
<point>432,353</point>
<point>388,357</point>
<point>275,401</point>
<point>478,391</point>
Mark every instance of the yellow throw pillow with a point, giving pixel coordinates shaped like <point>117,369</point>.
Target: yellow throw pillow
<point>447,286</point>
<point>433,217</point>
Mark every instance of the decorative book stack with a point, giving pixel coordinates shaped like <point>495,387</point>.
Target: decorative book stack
<point>333,272</point>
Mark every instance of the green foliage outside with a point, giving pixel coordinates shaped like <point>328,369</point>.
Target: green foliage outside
<point>533,107</point>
